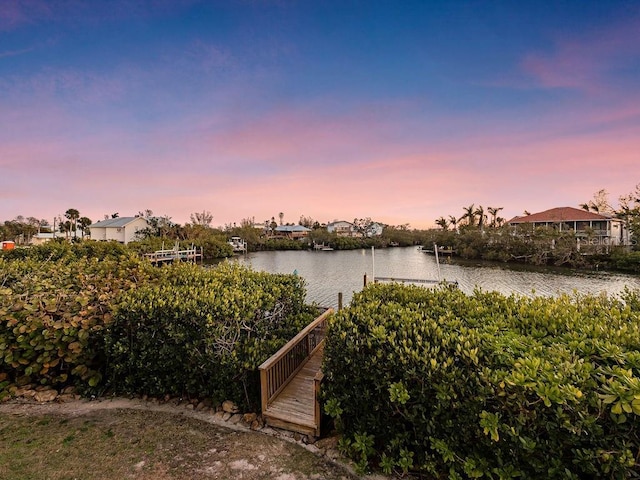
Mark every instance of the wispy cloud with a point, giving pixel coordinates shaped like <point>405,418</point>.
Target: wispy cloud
<point>15,53</point>
<point>586,62</point>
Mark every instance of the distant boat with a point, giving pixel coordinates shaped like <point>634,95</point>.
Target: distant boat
<point>441,250</point>
<point>238,244</point>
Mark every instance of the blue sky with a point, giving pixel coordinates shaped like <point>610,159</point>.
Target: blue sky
<point>399,111</point>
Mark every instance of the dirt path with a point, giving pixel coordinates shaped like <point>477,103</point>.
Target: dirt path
<point>159,441</point>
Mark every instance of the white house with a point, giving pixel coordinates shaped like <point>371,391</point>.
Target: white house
<point>342,228</point>
<point>44,237</point>
<point>121,229</point>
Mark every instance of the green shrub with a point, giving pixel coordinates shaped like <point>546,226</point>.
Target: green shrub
<point>489,386</point>
<point>629,262</point>
<point>124,325</point>
<point>203,332</point>
<point>52,315</point>
<point>282,244</point>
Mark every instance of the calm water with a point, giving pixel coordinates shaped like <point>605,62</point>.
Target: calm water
<point>328,273</point>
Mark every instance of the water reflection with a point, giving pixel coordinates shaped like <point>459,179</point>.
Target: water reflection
<point>328,273</point>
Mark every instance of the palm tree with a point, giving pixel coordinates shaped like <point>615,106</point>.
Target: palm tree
<point>481,216</point>
<point>469,215</point>
<point>84,222</point>
<point>65,227</point>
<point>442,223</point>
<point>493,211</point>
<point>72,214</point>
<point>453,221</point>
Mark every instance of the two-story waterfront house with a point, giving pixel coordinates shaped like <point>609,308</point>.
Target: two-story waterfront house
<point>587,226</point>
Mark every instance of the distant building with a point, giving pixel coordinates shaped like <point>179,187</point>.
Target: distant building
<point>343,228</point>
<point>293,232</point>
<point>121,229</point>
<point>44,237</point>
<point>603,229</point>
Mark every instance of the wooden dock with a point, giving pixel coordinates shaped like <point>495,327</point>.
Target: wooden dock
<point>174,255</point>
<point>290,381</point>
<point>406,280</point>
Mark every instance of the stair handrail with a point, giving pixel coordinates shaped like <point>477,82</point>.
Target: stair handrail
<point>281,367</point>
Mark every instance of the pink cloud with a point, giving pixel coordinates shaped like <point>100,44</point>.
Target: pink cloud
<point>583,63</point>
<point>304,161</point>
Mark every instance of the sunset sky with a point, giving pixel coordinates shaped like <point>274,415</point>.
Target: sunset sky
<point>402,111</point>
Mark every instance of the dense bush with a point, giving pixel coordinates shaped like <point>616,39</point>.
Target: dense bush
<point>539,246</point>
<point>203,332</point>
<point>61,250</point>
<point>282,244</point>
<point>52,315</point>
<point>121,324</point>
<point>487,386</point>
<point>626,261</point>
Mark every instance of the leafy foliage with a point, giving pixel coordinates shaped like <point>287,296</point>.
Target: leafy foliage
<point>203,332</point>
<point>487,386</point>
<point>52,313</point>
<point>98,317</point>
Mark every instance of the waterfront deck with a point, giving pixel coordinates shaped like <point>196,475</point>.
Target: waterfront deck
<point>174,255</point>
<point>290,381</point>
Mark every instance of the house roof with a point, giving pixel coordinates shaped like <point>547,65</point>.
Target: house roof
<point>292,228</point>
<point>560,214</point>
<point>118,222</point>
<point>338,222</point>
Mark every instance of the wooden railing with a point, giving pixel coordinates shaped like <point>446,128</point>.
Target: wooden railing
<point>174,254</point>
<point>281,367</point>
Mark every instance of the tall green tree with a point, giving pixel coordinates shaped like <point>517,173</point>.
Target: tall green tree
<point>72,215</point>
<point>629,211</point>
<point>469,215</point>
<point>493,211</point>
<point>84,223</point>
<point>599,203</point>
<point>442,223</point>
<point>453,221</point>
<point>479,212</point>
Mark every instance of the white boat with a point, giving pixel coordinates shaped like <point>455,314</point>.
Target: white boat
<point>238,244</point>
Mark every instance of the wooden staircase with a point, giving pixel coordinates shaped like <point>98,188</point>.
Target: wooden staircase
<point>290,381</point>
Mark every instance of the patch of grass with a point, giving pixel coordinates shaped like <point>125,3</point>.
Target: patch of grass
<point>146,445</point>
